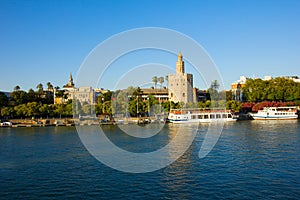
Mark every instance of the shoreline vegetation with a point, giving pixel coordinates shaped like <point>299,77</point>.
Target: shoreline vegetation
<point>37,108</point>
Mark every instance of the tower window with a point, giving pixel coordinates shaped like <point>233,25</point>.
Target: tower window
<point>171,94</point>
<point>183,94</point>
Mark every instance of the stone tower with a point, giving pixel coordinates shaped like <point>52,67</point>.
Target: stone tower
<point>180,65</point>
<point>180,84</point>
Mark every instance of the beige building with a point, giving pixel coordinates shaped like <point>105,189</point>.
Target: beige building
<point>160,94</point>
<point>85,95</point>
<point>180,85</point>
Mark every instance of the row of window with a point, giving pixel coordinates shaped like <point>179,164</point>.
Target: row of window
<point>212,116</point>
<point>282,113</point>
<point>183,95</point>
<point>177,84</point>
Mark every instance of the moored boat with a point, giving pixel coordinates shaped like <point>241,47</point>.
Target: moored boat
<point>276,113</point>
<point>199,115</point>
<point>5,124</point>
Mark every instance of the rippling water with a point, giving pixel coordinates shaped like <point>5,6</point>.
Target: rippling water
<point>252,159</point>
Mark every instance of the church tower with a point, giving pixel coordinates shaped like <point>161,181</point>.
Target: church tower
<point>179,65</point>
<point>70,82</point>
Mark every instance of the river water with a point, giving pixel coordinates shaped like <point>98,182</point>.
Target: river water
<point>252,159</point>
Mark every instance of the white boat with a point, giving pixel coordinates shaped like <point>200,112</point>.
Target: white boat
<point>276,113</point>
<point>5,124</point>
<point>199,115</point>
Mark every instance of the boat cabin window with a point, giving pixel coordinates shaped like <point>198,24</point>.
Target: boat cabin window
<point>205,116</point>
<point>224,116</point>
<point>218,116</point>
<point>200,116</point>
<point>212,116</point>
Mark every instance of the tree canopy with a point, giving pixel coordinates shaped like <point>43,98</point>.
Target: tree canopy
<point>278,89</point>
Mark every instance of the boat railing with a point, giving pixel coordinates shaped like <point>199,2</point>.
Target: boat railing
<point>281,109</point>
<point>198,110</point>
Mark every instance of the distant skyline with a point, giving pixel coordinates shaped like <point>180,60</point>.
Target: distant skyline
<point>44,41</point>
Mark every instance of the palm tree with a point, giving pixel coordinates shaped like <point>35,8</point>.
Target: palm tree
<point>161,81</point>
<point>167,79</point>
<point>17,88</point>
<point>213,90</point>
<point>49,86</point>
<point>155,80</point>
<point>215,85</point>
<point>40,87</point>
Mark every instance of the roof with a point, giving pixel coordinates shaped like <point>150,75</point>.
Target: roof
<point>154,91</point>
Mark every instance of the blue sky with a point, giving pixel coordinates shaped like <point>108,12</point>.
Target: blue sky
<point>45,41</point>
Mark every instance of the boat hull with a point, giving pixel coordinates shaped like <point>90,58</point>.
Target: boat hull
<point>276,113</point>
<point>200,116</point>
<point>201,121</point>
<point>273,118</point>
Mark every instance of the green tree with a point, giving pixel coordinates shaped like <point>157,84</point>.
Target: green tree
<point>7,112</point>
<point>278,89</point>
<point>59,110</point>
<point>228,95</point>
<point>3,100</point>
<point>32,109</point>
<point>69,109</point>
<point>107,107</point>
<point>20,110</point>
<point>132,107</point>
<point>18,97</point>
<point>44,110</point>
<point>31,96</point>
<point>234,105</point>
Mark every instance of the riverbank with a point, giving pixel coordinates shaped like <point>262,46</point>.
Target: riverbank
<point>39,122</point>
<point>72,122</point>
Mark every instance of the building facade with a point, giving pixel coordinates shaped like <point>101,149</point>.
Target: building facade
<point>237,88</point>
<point>180,85</point>
<point>160,94</point>
<point>70,92</point>
<point>85,95</point>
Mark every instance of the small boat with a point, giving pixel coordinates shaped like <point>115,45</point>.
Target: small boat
<point>272,113</point>
<point>6,124</point>
<point>200,115</point>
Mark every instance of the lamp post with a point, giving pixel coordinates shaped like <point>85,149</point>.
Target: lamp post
<point>137,106</point>
<point>148,106</point>
<point>102,105</point>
